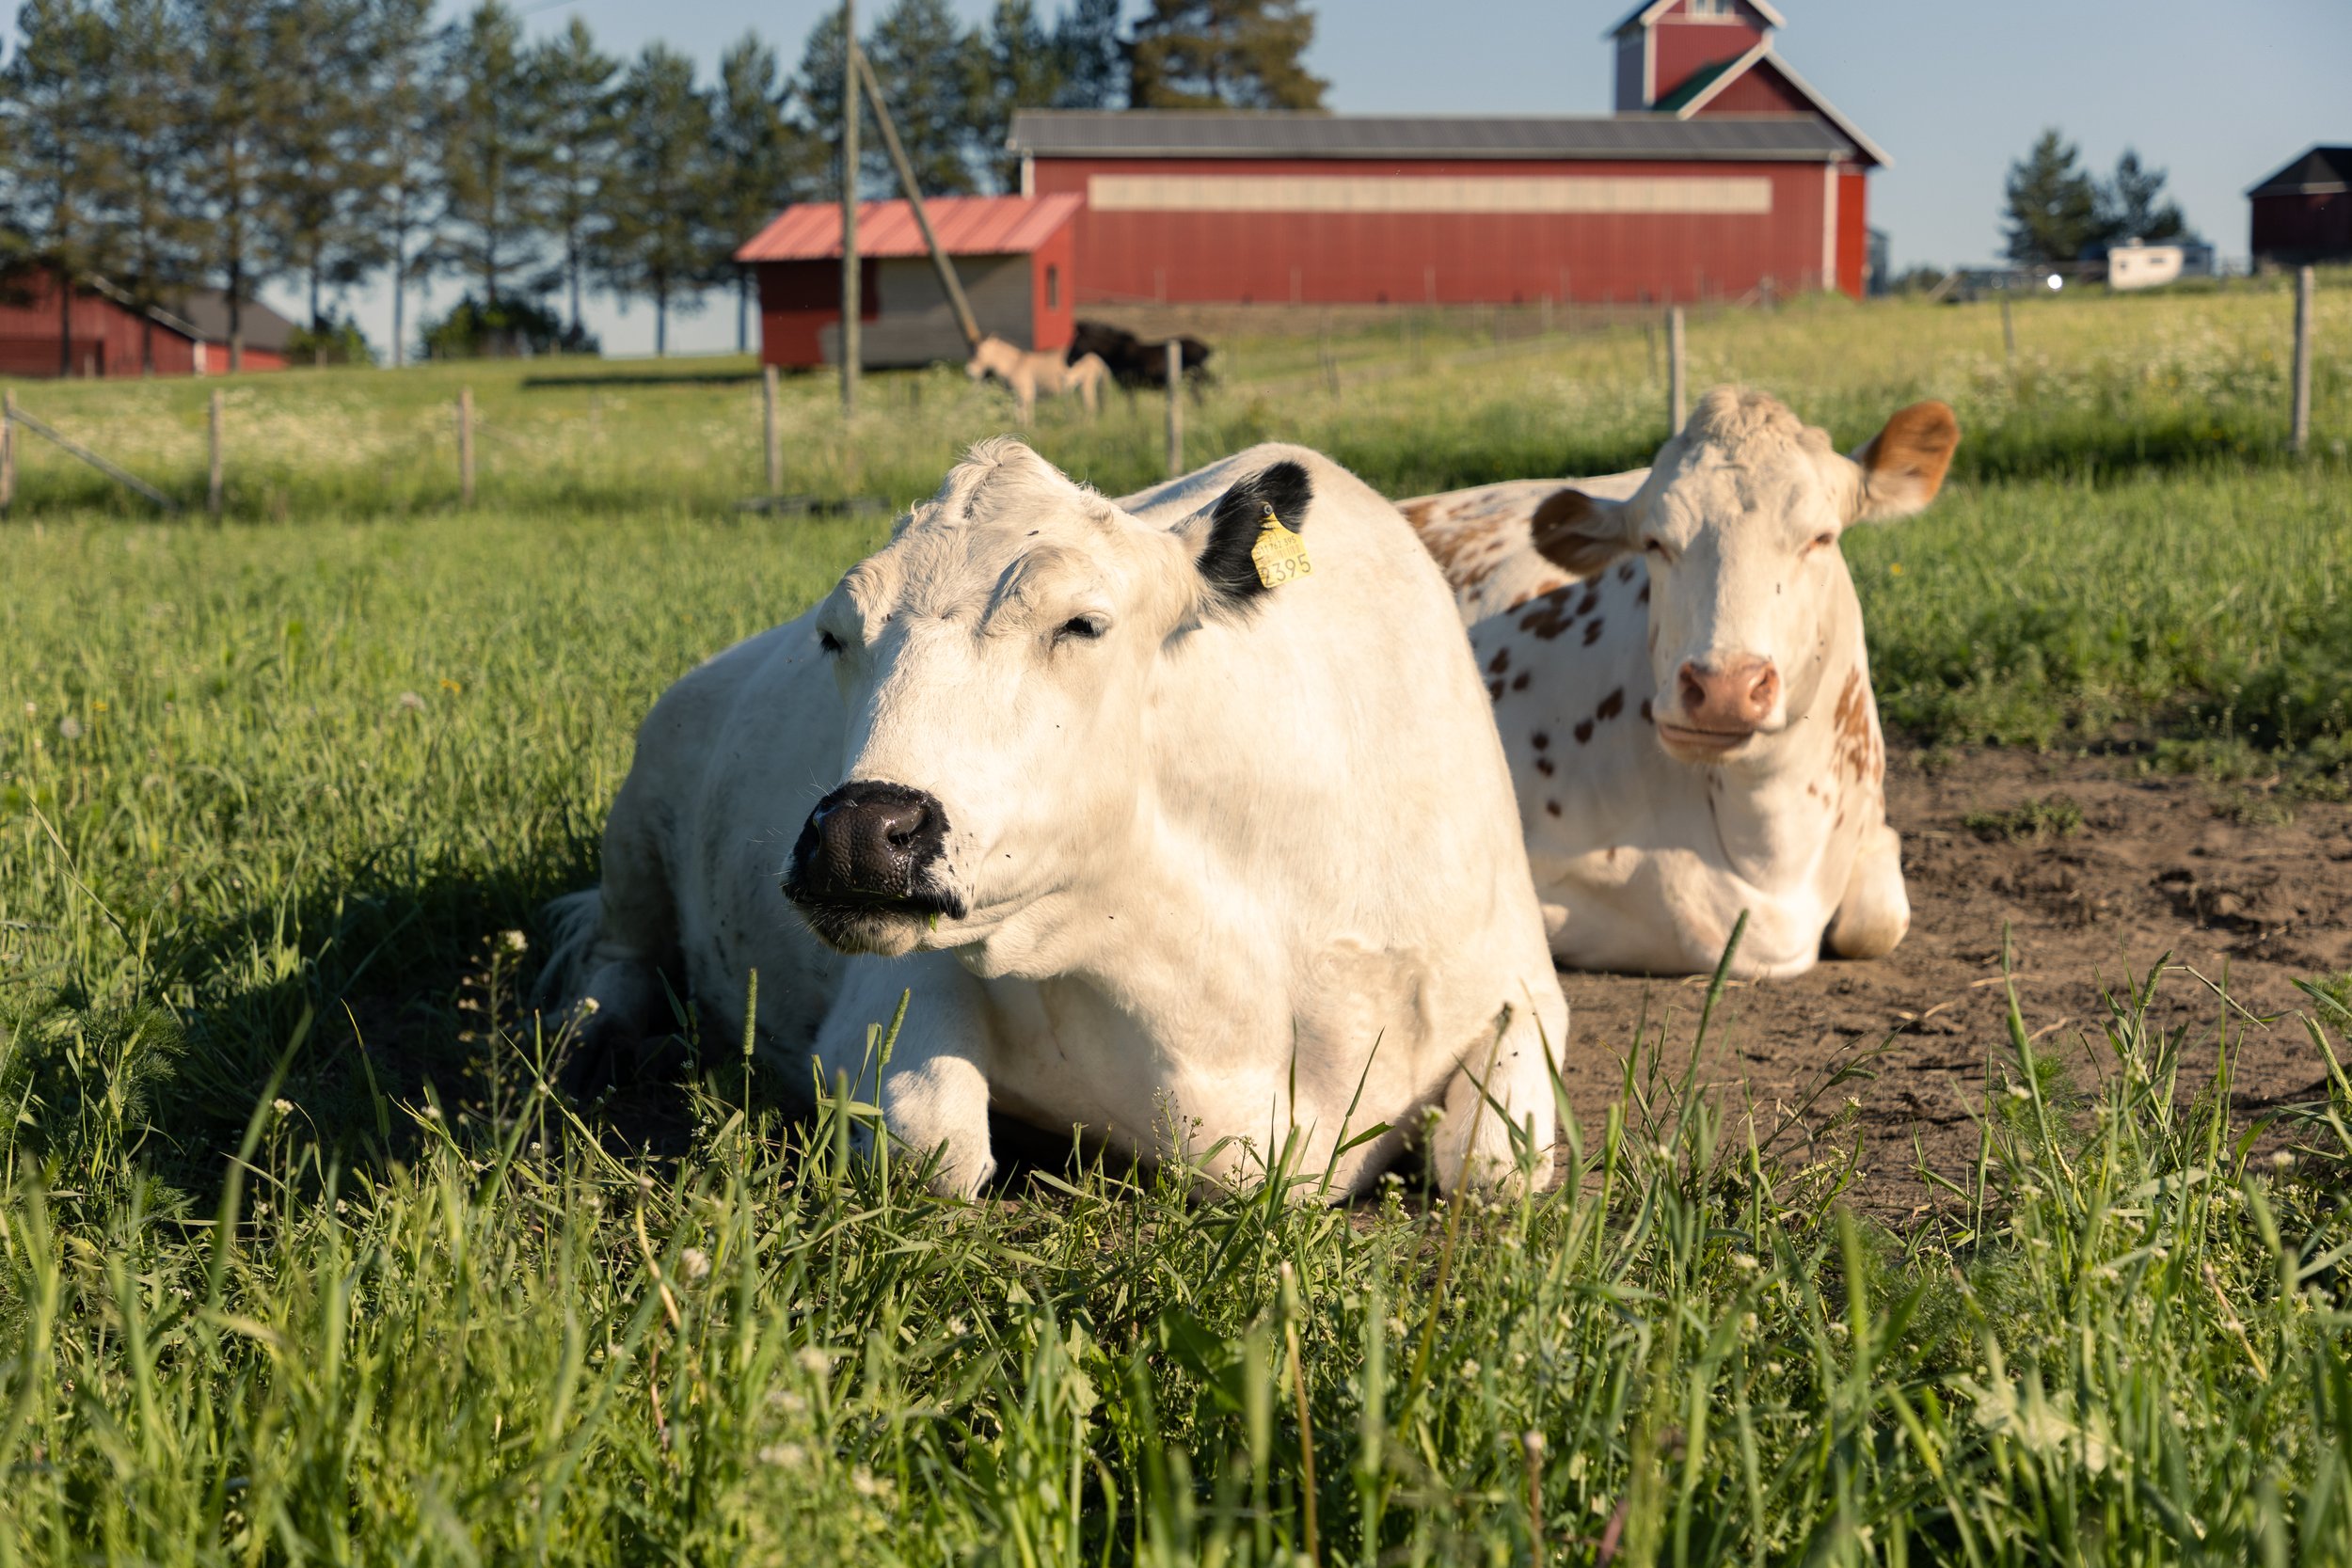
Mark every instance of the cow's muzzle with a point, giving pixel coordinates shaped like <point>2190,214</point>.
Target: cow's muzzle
<point>1718,706</point>
<point>865,866</point>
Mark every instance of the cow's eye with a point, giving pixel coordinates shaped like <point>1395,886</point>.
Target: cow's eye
<point>1086,627</point>
<point>1823,541</point>
<point>1656,547</point>
<point>830,643</point>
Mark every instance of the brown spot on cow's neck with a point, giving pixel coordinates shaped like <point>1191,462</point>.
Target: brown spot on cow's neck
<point>1625,572</point>
<point>1643,597</point>
<point>1540,739</point>
<point>1592,596</point>
<point>1494,690</point>
<point>1646,710</point>
<point>1584,731</point>
<point>1518,682</point>
<point>1552,806</point>
<point>1549,615</point>
<point>1543,765</point>
<point>1612,705</point>
<point>1501,662</point>
<point>1592,631</point>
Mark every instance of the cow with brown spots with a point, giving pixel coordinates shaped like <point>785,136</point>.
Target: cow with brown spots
<point>1689,712</point>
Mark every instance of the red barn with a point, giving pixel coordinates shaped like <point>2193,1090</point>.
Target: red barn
<point>1723,172</point>
<point>112,337</point>
<point>1012,256</point>
<point>2303,213</point>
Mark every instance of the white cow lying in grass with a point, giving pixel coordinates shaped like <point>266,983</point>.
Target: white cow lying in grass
<point>1691,727</point>
<point>1153,843</point>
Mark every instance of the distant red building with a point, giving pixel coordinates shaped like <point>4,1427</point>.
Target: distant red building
<point>1723,172</point>
<point>2303,213</point>
<point>1012,257</point>
<point>111,335</point>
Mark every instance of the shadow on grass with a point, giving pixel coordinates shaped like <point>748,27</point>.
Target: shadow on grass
<point>655,378</point>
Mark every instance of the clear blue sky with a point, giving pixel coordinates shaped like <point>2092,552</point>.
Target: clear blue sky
<point>2218,94</point>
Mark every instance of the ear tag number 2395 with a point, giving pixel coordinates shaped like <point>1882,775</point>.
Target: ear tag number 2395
<point>1279,555</point>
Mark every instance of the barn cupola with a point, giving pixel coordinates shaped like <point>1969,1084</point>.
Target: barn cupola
<point>1691,57</point>
<point>1663,45</point>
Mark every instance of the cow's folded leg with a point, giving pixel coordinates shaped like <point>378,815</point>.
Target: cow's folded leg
<point>1503,1097</point>
<point>933,1090</point>
<point>1875,911</point>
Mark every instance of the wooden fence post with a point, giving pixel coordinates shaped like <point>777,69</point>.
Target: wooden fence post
<point>1677,401</point>
<point>2299,422</point>
<point>1175,407</point>
<point>851,349</point>
<point>212,483</point>
<point>465,446</point>
<point>7,450</point>
<point>768,428</point>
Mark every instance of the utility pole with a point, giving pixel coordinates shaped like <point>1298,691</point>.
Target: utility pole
<point>850,304</point>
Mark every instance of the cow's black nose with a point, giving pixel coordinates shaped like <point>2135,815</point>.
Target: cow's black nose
<point>868,840</point>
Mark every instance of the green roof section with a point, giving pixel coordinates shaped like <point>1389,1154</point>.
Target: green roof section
<point>1694,85</point>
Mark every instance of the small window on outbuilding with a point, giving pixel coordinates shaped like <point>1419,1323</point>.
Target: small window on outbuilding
<point>1053,288</point>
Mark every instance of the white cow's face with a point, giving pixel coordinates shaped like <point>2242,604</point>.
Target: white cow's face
<point>1740,522</point>
<point>996,663</point>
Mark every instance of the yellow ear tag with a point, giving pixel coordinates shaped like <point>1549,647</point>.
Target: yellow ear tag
<point>1279,555</point>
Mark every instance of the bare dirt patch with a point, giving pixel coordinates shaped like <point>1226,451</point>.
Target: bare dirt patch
<point>2098,874</point>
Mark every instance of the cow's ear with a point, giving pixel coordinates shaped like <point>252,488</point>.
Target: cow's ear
<point>1227,569</point>
<point>1581,534</point>
<point>1902,465</point>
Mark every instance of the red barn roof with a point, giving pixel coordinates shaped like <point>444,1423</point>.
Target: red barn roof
<point>967,225</point>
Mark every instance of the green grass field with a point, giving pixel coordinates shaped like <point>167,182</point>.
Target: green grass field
<point>298,1263</point>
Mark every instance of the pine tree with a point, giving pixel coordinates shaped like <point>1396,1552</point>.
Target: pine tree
<point>233,101</point>
<point>2053,205</point>
<point>575,83</point>
<point>145,93</point>
<point>57,154</point>
<point>398,174</point>
<point>660,244</point>
<point>312,180</point>
<point>2132,206</point>
<point>922,60</point>
<point>1224,54</point>
<point>817,90</point>
<point>1093,58</point>
<point>492,151</point>
<point>1017,65</point>
<point>757,159</point>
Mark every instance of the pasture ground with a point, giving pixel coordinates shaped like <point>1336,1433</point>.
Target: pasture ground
<point>299,1261</point>
<point>2092,868</point>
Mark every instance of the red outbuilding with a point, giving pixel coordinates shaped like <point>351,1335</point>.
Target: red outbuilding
<point>110,335</point>
<point>1012,257</point>
<point>1724,173</point>
<point>2303,213</point>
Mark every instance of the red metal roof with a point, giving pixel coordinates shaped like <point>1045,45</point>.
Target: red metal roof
<point>967,225</point>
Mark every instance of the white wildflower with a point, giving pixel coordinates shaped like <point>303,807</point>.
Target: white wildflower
<point>785,1456</point>
<point>515,942</point>
<point>410,701</point>
<point>693,1263</point>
